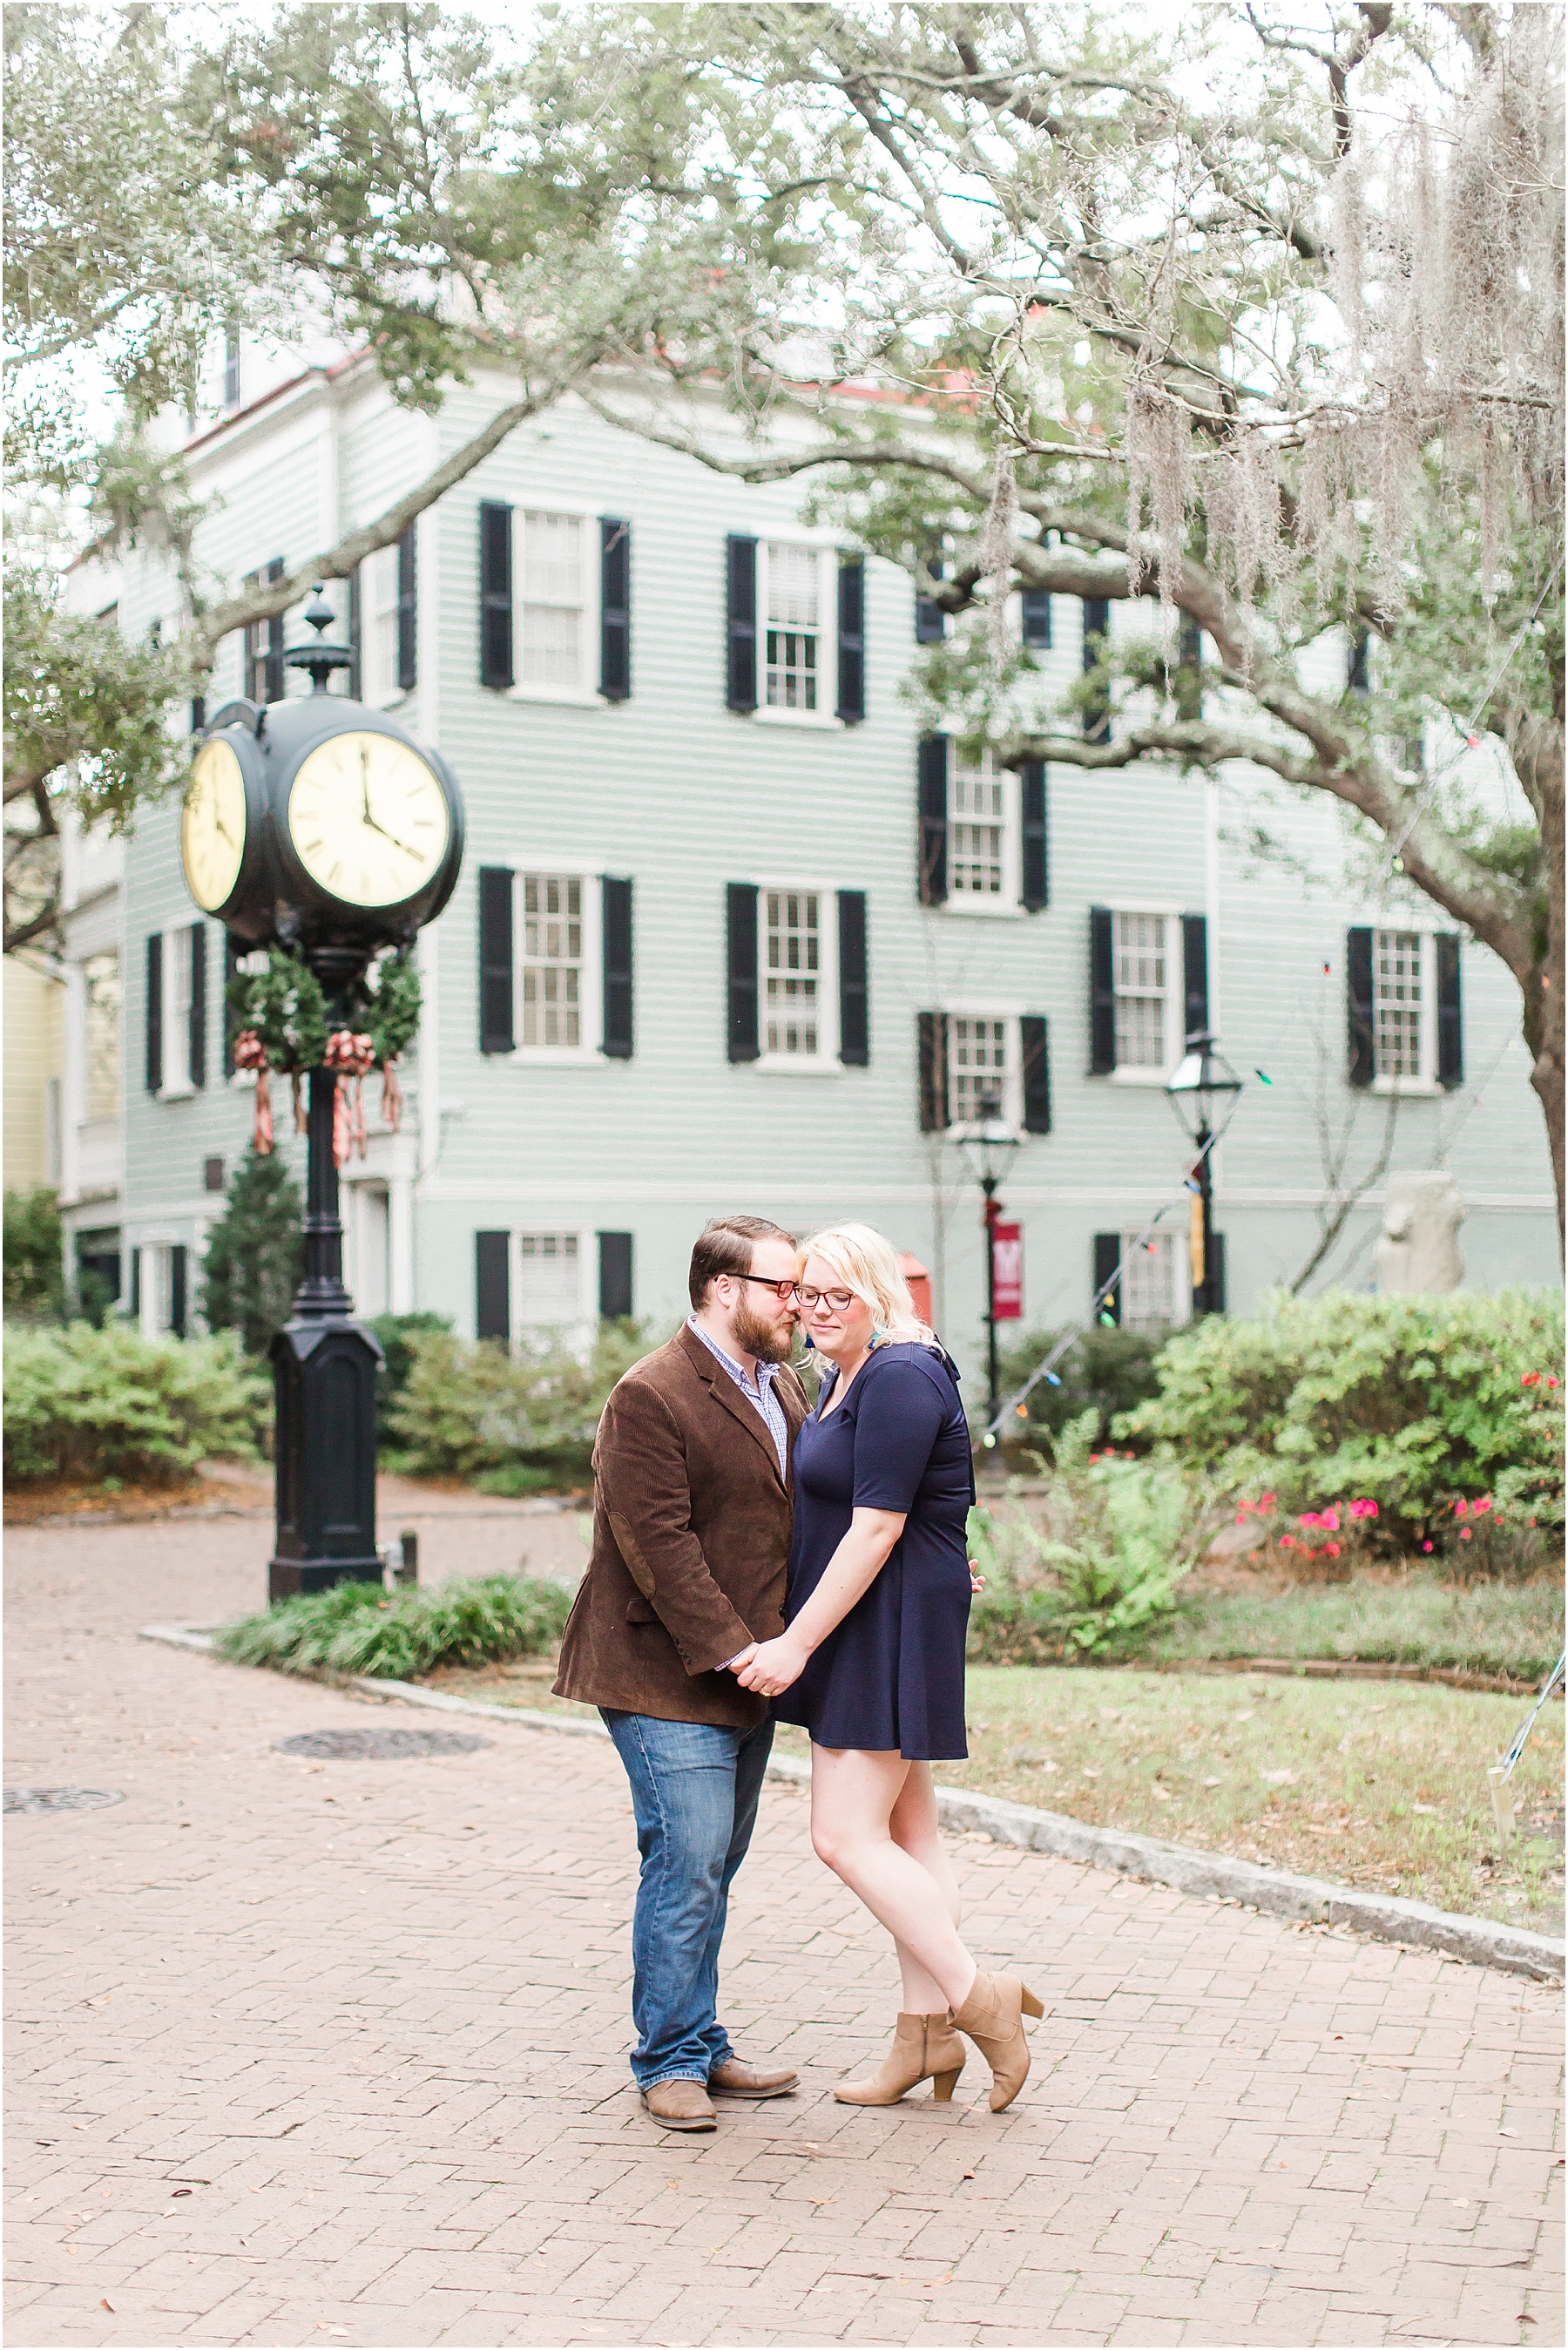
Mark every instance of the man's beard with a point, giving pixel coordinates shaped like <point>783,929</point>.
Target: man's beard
<point>770,1342</point>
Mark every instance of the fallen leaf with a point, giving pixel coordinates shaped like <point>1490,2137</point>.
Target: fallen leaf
<point>179,2190</point>
<point>106,2304</point>
<point>969,2174</point>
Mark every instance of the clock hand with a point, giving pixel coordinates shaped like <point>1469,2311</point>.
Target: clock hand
<point>364,782</point>
<point>391,836</point>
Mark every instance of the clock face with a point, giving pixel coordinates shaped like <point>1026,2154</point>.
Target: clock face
<point>368,820</point>
<point>212,826</point>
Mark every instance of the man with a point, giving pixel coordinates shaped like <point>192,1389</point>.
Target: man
<point>691,1543</point>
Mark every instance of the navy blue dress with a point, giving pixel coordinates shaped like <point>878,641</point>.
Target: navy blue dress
<point>891,1677</point>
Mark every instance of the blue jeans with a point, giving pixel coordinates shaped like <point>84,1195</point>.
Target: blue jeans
<point>694,1790</point>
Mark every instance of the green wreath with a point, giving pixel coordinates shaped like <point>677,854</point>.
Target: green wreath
<point>285,1007</point>
<point>387,1007</point>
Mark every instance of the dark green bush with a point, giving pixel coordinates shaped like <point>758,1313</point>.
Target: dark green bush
<point>254,1253</point>
<point>358,1628</point>
<point>395,1332</point>
<point>1104,1371</point>
<point>469,1408</point>
<point>1414,1403</point>
<point>35,1260</point>
<point>86,1403</point>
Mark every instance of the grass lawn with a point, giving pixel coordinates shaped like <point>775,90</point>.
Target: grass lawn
<point>1380,1785</point>
<point>1510,1629</point>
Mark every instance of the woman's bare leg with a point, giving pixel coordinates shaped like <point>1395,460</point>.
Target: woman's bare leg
<point>853,1796</point>
<point>913,1825</point>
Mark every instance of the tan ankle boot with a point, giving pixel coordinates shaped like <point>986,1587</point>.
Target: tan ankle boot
<point>992,2016</point>
<point>925,2048</point>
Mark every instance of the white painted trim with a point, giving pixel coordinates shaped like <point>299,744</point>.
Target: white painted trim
<point>587,1054</point>
<point>825,1060</point>
<point>586,696</point>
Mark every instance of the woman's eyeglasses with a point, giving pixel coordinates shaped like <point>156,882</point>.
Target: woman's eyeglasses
<point>791,1293</point>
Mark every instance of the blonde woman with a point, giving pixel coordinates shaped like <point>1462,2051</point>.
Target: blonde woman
<point>871,1660</point>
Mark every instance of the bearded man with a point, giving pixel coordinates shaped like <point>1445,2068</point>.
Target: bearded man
<point>692,1516</point>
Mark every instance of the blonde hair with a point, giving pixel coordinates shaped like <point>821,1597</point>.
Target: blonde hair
<point>869,1265</point>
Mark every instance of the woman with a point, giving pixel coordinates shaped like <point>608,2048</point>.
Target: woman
<point>872,1655</point>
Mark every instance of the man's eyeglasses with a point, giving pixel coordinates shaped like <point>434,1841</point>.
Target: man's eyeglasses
<point>784,1291</point>
<point>790,1292</point>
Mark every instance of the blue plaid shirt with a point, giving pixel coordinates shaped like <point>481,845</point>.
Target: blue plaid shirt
<point>761,1395</point>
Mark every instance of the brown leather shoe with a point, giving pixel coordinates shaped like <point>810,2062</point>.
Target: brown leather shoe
<point>733,2078</point>
<point>680,2104</point>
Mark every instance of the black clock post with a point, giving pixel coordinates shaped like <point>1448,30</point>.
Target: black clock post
<point>367,791</point>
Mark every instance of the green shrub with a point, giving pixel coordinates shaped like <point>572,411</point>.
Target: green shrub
<point>358,1628</point>
<point>1411,1402</point>
<point>1121,1536</point>
<point>395,1332</point>
<point>34,1259</point>
<point>254,1253</point>
<point>88,1404</point>
<point>467,1407</point>
<point>1105,1371</point>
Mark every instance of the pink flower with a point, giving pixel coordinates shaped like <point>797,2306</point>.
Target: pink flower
<point>1483,1505</point>
<point>1531,1379</point>
<point>1267,1502</point>
<point>1287,1541</point>
<point>1330,1520</point>
<point>1425,1546</point>
<point>1364,1509</point>
<point>1551,1383</point>
<point>1465,1534</point>
<point>1461,1509</point>
<point>1333,1549</point>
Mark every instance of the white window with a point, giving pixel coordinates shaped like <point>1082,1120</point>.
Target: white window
<point>1143,954</point>
<point>553,962</point>
<point>177,1011</point>
<point>553,609</point>
<point>981,1060</point>
<point>798,976</point>
<point>797,586</point>
<point>1399,1005</point>
<point>101,1024</point>
<point>549,1283</point>
<point>378,626</point>
<point>982,848</point>
<point>1154,1285</point>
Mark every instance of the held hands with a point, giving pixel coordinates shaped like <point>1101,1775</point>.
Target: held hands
<point>772,1666</point>
<point>976,1580</point>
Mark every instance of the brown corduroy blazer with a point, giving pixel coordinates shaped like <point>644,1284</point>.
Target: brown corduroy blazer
<point>690,1545</point>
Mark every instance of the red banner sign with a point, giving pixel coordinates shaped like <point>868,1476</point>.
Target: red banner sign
<point>1007,1267</point>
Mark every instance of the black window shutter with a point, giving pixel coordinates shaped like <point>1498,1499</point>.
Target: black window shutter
<point>1035,1055</point>
<point>493,1285</point>
<point>274,635</point>
<point>198,1004</point>
<point>198,714</point>
<point>1451,1027</point>
<point>740,918</point>
<point>931,621</point>
<point>1362,1057</point>
<point>854,1002</point>
<point>154,1012</point>
<point>933,819</point>
<point>231,965</point>
<point>495,593</point>
<point>851,639</point>
<point>1195,973</point>
<point>356,635</point>
<point>1037,618</point>
<point>1096,634</point>
<point>1037,862</point>
<point>177,1291</point>
<point>408,612</point>
<point>615,1277</point>
<point>933,1052</point>
<point>135,1285</point>
<point>496,984</point>
<point>741,623</point>
<point>1102,993</point>
<point>1217,1278</point>
<point>1107,1256</point>
<point>1357,671</point>
<point>1188,680</point>
<point>615,901</point>
<point>614,609</point>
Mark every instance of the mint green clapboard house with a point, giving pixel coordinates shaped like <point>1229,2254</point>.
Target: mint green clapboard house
<point>734,933</point>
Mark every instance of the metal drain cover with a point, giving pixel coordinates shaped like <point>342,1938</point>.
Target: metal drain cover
<point>378,1745</point>
<point>59,1799</point>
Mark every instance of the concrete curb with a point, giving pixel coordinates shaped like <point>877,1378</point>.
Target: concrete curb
<point>1206,1876</point>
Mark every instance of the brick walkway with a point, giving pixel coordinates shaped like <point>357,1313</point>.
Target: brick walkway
<point>333,2053</point>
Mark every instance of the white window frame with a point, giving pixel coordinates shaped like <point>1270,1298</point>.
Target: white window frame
<point>827,550</point>
<point>1009,905</point>
<point>578,1330</point>
<point>379,605</point>
<point>586,696</point>
<point>91,1116</point>
<point>825,1062</point>
<point>175,1084</point>
<point>1425,1086</point>
<point>1181,1277</point>
<point>587,1054</point>
<point>157,1287</point>
<point>967,1008</point>
<point>1175,990</point>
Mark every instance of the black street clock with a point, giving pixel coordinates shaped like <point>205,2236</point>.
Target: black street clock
<point>319,826</point>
